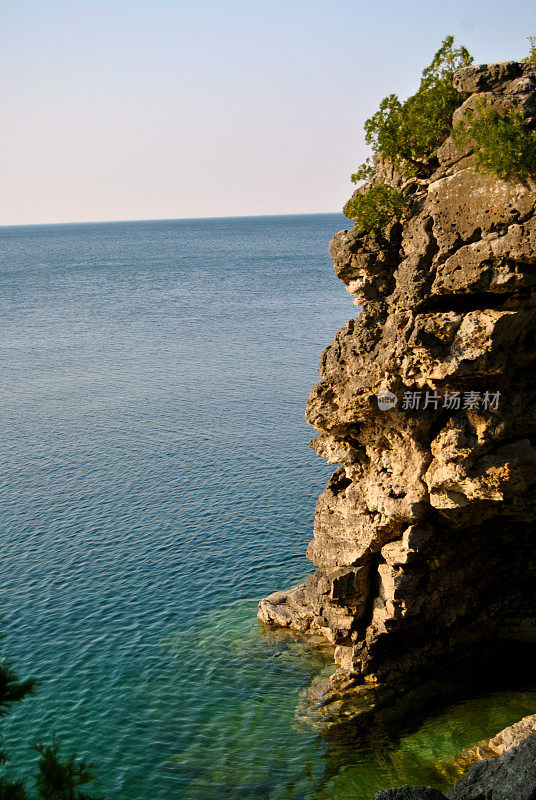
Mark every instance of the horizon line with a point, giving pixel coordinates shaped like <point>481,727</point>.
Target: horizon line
<point>165,219</point>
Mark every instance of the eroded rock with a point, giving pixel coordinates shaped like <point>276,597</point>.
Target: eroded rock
<point>424,536</point>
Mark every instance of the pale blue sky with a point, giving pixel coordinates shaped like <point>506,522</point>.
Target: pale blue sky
<point>164,109</point>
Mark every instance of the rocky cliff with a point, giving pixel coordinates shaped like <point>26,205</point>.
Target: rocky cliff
<point>424,536</point>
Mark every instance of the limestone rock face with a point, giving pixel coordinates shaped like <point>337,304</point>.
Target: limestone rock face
<point>424,536</point>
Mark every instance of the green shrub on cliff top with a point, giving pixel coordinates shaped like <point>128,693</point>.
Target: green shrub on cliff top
<point>502,144</point>
<point>373,209</point>
<point>532,54</point>
<point>409,133</point>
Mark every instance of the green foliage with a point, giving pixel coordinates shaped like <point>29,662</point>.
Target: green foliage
<point>373,209</point>
<point>409,133</point>
<point>502,144</point>
<point>12,790</point>
<point>532,54</point>
<point>11,689</point>
<point>364,172</point>
<point>57,778</point>
<point>60,778</point>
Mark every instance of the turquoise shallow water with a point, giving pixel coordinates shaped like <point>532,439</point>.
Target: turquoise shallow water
<point>156,481</point>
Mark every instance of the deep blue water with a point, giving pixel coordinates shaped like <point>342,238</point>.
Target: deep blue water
<point>156,481</point>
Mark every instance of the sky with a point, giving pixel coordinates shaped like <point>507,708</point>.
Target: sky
<point>164,109</point>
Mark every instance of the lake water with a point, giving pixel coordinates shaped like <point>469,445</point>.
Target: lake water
<point>156,481</point>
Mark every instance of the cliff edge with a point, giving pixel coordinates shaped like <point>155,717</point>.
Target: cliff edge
<point>424,535</point>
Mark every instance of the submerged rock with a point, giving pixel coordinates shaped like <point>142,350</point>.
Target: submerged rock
<point>508,738</point>
<point>500,743</point>
<point>424,535</point>
<point>511,776</point>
